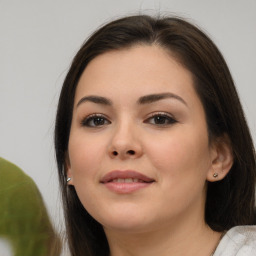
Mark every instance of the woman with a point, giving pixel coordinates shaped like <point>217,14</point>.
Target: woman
<point>153,150</point>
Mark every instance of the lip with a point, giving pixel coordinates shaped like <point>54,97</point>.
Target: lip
<point>122,187</point>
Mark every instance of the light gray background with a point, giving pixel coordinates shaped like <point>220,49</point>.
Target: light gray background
<point>38,40</point>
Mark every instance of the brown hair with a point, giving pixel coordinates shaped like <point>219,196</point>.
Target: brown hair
<point>230,202</point>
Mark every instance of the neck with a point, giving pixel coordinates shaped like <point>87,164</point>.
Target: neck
<point>197,239</point>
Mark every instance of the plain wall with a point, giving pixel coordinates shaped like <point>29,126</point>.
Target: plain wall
<point>38,40</point>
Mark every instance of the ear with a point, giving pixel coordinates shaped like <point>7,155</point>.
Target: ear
<point>68,169</point>
<point>222,159</point>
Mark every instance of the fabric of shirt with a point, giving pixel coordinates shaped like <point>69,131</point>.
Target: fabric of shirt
<point>238,241</point>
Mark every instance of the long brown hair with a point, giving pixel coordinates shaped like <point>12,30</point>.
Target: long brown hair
<point>229,202</point>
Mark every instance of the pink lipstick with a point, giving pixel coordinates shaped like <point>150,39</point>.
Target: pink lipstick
<point>124,182</point>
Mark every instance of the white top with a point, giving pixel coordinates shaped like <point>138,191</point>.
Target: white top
<point>238,241</point>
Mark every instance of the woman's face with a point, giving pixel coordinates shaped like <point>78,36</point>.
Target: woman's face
<point>138,150</point>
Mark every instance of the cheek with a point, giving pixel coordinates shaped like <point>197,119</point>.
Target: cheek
<point>181,163</point>
<point>85,161</point>
<point>84,155</point>
<point>181,153</point>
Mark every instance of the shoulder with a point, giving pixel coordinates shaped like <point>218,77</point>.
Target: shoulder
<point>239,241</point>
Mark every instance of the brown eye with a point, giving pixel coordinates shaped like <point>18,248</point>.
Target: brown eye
<point>95,121</point>
<point>161,119</point>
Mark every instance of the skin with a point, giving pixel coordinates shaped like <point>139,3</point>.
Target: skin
<point>175,152</point>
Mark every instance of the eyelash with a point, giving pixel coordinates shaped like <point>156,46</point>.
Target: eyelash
<point>92,118</point>
<point>164,118</point>
<point>167,118</point>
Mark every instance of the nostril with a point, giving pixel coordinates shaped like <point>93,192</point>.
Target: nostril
<point>115,153</point>
<point>131,152</point>
<point>128,152</point>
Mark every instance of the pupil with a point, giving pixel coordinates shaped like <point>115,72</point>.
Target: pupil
<point>159,119</point>
<point>98,121</point>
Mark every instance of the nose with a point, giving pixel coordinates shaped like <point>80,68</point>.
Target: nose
<point>125,143</point>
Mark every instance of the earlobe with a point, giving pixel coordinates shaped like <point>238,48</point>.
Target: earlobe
<point>222,159</point>
<point>68,170</point>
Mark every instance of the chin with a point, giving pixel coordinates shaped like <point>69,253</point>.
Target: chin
<point>125,221</point>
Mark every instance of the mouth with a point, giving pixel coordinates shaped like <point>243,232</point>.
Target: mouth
<point>127,181</point>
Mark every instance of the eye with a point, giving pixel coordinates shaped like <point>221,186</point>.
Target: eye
<point>95,120</point>
<point>160,119</point>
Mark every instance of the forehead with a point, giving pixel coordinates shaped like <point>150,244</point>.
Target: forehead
<point>138,70</point>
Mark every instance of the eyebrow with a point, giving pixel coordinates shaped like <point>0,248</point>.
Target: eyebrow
<point>161,96</point>
<point>95,99</point>
<point>147,99</point>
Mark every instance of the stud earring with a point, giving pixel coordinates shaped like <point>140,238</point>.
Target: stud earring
<point>68,179</point>
<point>215,175</point>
